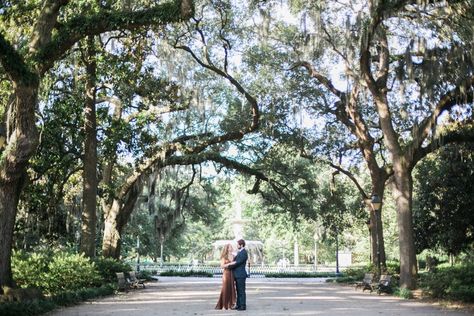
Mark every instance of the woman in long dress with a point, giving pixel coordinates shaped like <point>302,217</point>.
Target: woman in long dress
<point>227,298</point>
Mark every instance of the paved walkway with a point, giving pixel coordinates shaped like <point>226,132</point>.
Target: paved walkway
<point>269,297</point>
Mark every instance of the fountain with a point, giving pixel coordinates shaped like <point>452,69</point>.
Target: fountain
<point>254,247</point>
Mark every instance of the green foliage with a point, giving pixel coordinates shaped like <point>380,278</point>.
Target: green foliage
<point>190,273</point>
<point>145,274</point>
<point>67,298</point>
<point>403,293</point>
<point>107,267</point>
<point>54,272</point>
<point>453,283</point>
<point>29,269</point>
<point>71,272</point>
<point>393,267</point>
<point>357,272</point>
<point>443,216</point>
<point>68,278</point>
<point>26,308</point>
<point>352,275</point>
<point>184,240</point>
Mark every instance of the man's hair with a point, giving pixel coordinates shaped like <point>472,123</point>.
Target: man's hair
<point>241,242</point>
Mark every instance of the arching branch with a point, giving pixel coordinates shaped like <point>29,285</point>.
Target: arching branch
<point>105,21</point>
<point>462,94</point>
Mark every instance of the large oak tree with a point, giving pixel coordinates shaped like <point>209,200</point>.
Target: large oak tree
<point>26,54</point>
<point>404,65</point>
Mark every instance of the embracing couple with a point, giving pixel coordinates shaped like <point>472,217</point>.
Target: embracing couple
<point>233,277</point>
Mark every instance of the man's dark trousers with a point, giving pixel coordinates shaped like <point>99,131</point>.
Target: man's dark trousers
<point>241,296</point>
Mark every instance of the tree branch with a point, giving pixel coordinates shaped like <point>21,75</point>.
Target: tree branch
<point>253,102</point>
<point>459,135</point>
<point>462,94</point>
<point>105,21</point>
<point>321,78</point>
<point>42,30</point>
<point>14,64</point>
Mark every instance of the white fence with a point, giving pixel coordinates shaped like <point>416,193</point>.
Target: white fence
<point>255,271</point>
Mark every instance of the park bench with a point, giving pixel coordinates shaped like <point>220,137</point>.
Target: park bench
<point>123,283</point>
<point>134,281</point>
<point>366,283</point>
<point>385,284</point>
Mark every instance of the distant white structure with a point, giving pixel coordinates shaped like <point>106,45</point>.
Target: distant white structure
<point>254,247</point>
<point>345,258</point>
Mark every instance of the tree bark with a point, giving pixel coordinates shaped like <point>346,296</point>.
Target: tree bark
<point>89,195</point>
<point>111,240</point>
<point>378,243</point>
<point>9,195</point>
<point>22,140</point>
<point>402,191</point>
<point>116,217</point>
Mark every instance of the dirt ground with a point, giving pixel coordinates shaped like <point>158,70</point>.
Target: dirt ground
<point>265,297</point>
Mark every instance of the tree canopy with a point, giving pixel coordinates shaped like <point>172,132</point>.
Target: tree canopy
<point>124,120</point>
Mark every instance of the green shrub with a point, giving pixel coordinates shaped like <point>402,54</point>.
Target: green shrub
<point>145,274</point>
<point>107,268</point>
<point>67,298</point>
<point>26,308</point>
<point>454,283</point>
<point>54,272</point>
<point>463,293</point>
<point>29,270</point>
<point>404,293</point>
<point>71,272</point>
<point>37,307</point>
<point>393,267</point>
<point>357,273</point>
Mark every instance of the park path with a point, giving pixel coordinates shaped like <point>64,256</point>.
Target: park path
<point>265,297</point>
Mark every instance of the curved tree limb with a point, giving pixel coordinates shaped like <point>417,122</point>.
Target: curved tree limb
<point>15,65</point>
<point>464,134</point>
<point>462,94</point>
<point>320,77</point>
<point>46,22</point>
<point>105,21</point>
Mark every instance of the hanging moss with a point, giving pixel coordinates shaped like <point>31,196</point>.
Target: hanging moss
<point>106,21</point>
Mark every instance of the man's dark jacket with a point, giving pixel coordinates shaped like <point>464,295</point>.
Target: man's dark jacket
<point>239,267</point>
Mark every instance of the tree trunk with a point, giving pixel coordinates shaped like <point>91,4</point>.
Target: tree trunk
<point>22,140</point>
<point>9,195</point>
<point>112,235</point>
<point>402,192</point>
<point>89,213</point>
<point>378,243</point>
<point>116,217</point>
<point>378,178</point>
<point>373,237</point>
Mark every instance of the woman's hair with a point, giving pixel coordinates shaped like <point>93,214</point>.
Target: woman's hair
<point>226,251</point>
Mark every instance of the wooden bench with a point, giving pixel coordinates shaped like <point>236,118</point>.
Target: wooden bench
<point>366,283</point>
<point>123,283</point>
<point>385,284</point>
<point>134,281</point>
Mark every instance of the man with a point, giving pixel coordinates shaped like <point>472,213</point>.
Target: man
<point>240,275</point>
